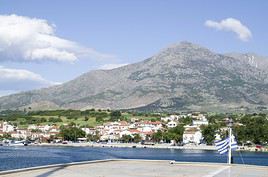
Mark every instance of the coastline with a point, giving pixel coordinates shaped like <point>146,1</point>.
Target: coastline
<point>130,145</point>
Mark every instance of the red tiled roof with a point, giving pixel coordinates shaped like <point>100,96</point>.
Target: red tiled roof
<point>134,131</point>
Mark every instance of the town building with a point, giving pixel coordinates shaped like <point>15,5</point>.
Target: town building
<point>192,134</point>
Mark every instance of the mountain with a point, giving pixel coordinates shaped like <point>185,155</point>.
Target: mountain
<point>182,77</point>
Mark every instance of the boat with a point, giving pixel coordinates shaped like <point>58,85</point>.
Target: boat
<point>15,143</point>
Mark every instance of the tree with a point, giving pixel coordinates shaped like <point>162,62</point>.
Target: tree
<point>71,124</point>
<point>175,133</point>
<point>137,138</point>
<point>208,133</point>
<point>126,139</point>
<point>93,138</point>
<point>71,133</point>
<point>99,119</point>
<point>187,120</point>
<point>54,120</point>
<point>5,136</point>
<point>254,129</point>
<point>157,136</point>
<point>43,119</point>
<point>115,115</point>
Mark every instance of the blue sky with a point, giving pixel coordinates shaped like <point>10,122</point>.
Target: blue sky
<point>118,32</point>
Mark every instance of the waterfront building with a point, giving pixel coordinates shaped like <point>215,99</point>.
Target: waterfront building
<point>7,127</point>
<point>192,134</point>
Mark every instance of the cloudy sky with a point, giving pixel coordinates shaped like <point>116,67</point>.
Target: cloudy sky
<point>49,42</point>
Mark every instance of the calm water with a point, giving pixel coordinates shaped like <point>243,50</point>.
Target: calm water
<point>21,157</point>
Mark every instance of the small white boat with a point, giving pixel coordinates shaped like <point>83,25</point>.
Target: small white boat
<point>15,143</point>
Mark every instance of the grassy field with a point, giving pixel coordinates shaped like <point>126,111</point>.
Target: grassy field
<point>80,118</point>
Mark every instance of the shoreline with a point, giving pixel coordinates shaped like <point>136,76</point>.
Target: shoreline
<point>130,145</point>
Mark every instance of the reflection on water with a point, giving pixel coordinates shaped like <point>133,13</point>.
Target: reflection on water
<point>21,157</point>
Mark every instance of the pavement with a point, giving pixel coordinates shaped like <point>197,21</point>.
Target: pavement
<point>142,168</point>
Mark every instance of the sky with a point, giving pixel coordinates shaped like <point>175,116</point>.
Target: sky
<point>48,42</point>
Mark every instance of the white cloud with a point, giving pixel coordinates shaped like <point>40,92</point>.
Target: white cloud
<point>30,39</point>
<point>233,25</point>
<point>20,80</point>
<point>112,66</point>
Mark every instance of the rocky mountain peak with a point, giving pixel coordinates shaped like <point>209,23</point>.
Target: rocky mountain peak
<point>182,51</point>
<point>185,46</point>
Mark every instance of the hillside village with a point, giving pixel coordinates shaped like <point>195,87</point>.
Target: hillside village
<point>112,131</point>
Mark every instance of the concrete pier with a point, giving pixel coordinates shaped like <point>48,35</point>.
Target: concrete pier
<point>139,168</point>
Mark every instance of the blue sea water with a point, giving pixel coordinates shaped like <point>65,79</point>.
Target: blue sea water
<point>30,156</point>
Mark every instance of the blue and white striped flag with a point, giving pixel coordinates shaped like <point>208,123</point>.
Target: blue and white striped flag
<point>223,145</point>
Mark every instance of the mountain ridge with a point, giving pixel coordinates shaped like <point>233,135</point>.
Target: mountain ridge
<point>183,76</point>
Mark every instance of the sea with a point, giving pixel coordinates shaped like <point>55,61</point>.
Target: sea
<point>30,156</point>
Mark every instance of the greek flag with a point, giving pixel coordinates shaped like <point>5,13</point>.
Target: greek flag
<point>223,145</point>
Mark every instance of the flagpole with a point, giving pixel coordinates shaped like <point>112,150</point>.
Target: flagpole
<point>230,123</point>
<point>230,146</point>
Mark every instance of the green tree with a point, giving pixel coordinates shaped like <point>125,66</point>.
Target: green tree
<point>43,119</point>
<point>187,120</point>
<point>254,129</point>
<point>71,133</point>
<point>6,136</point>
<point>137,138</point>
<point>175,133</point>
<point>126,139</point>
<point>208,133</point>
<point>71,124</point>
<point>157,136</point>
<point>86,118</point>
<point>93,138</point>
<point>99,119</point>
<point>115,115</point>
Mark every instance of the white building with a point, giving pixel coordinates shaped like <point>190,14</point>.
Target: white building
<point>20,134</point>
<point>6,127</point>
<point>192,134</point>
<point>172,124</point>
<point>198,116</point>
<point>200,122</point>
<point>170,118</point>
<point>125,132</point>
<point>89,131</point>
<point>146,125</point>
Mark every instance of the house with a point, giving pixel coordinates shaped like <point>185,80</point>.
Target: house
<point>172,124</point>
<point>20,134</point>
<point>199,119</point>
<point>198,116</point>
<point>6,127</point>
<point>126,132</point>
<point>170,118</point>
<point>121,125</point>
<point>192,134</point>
<point>146,125</point>
<point>89,131</point>
<point>112,131</point>
<point>200,122</point>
